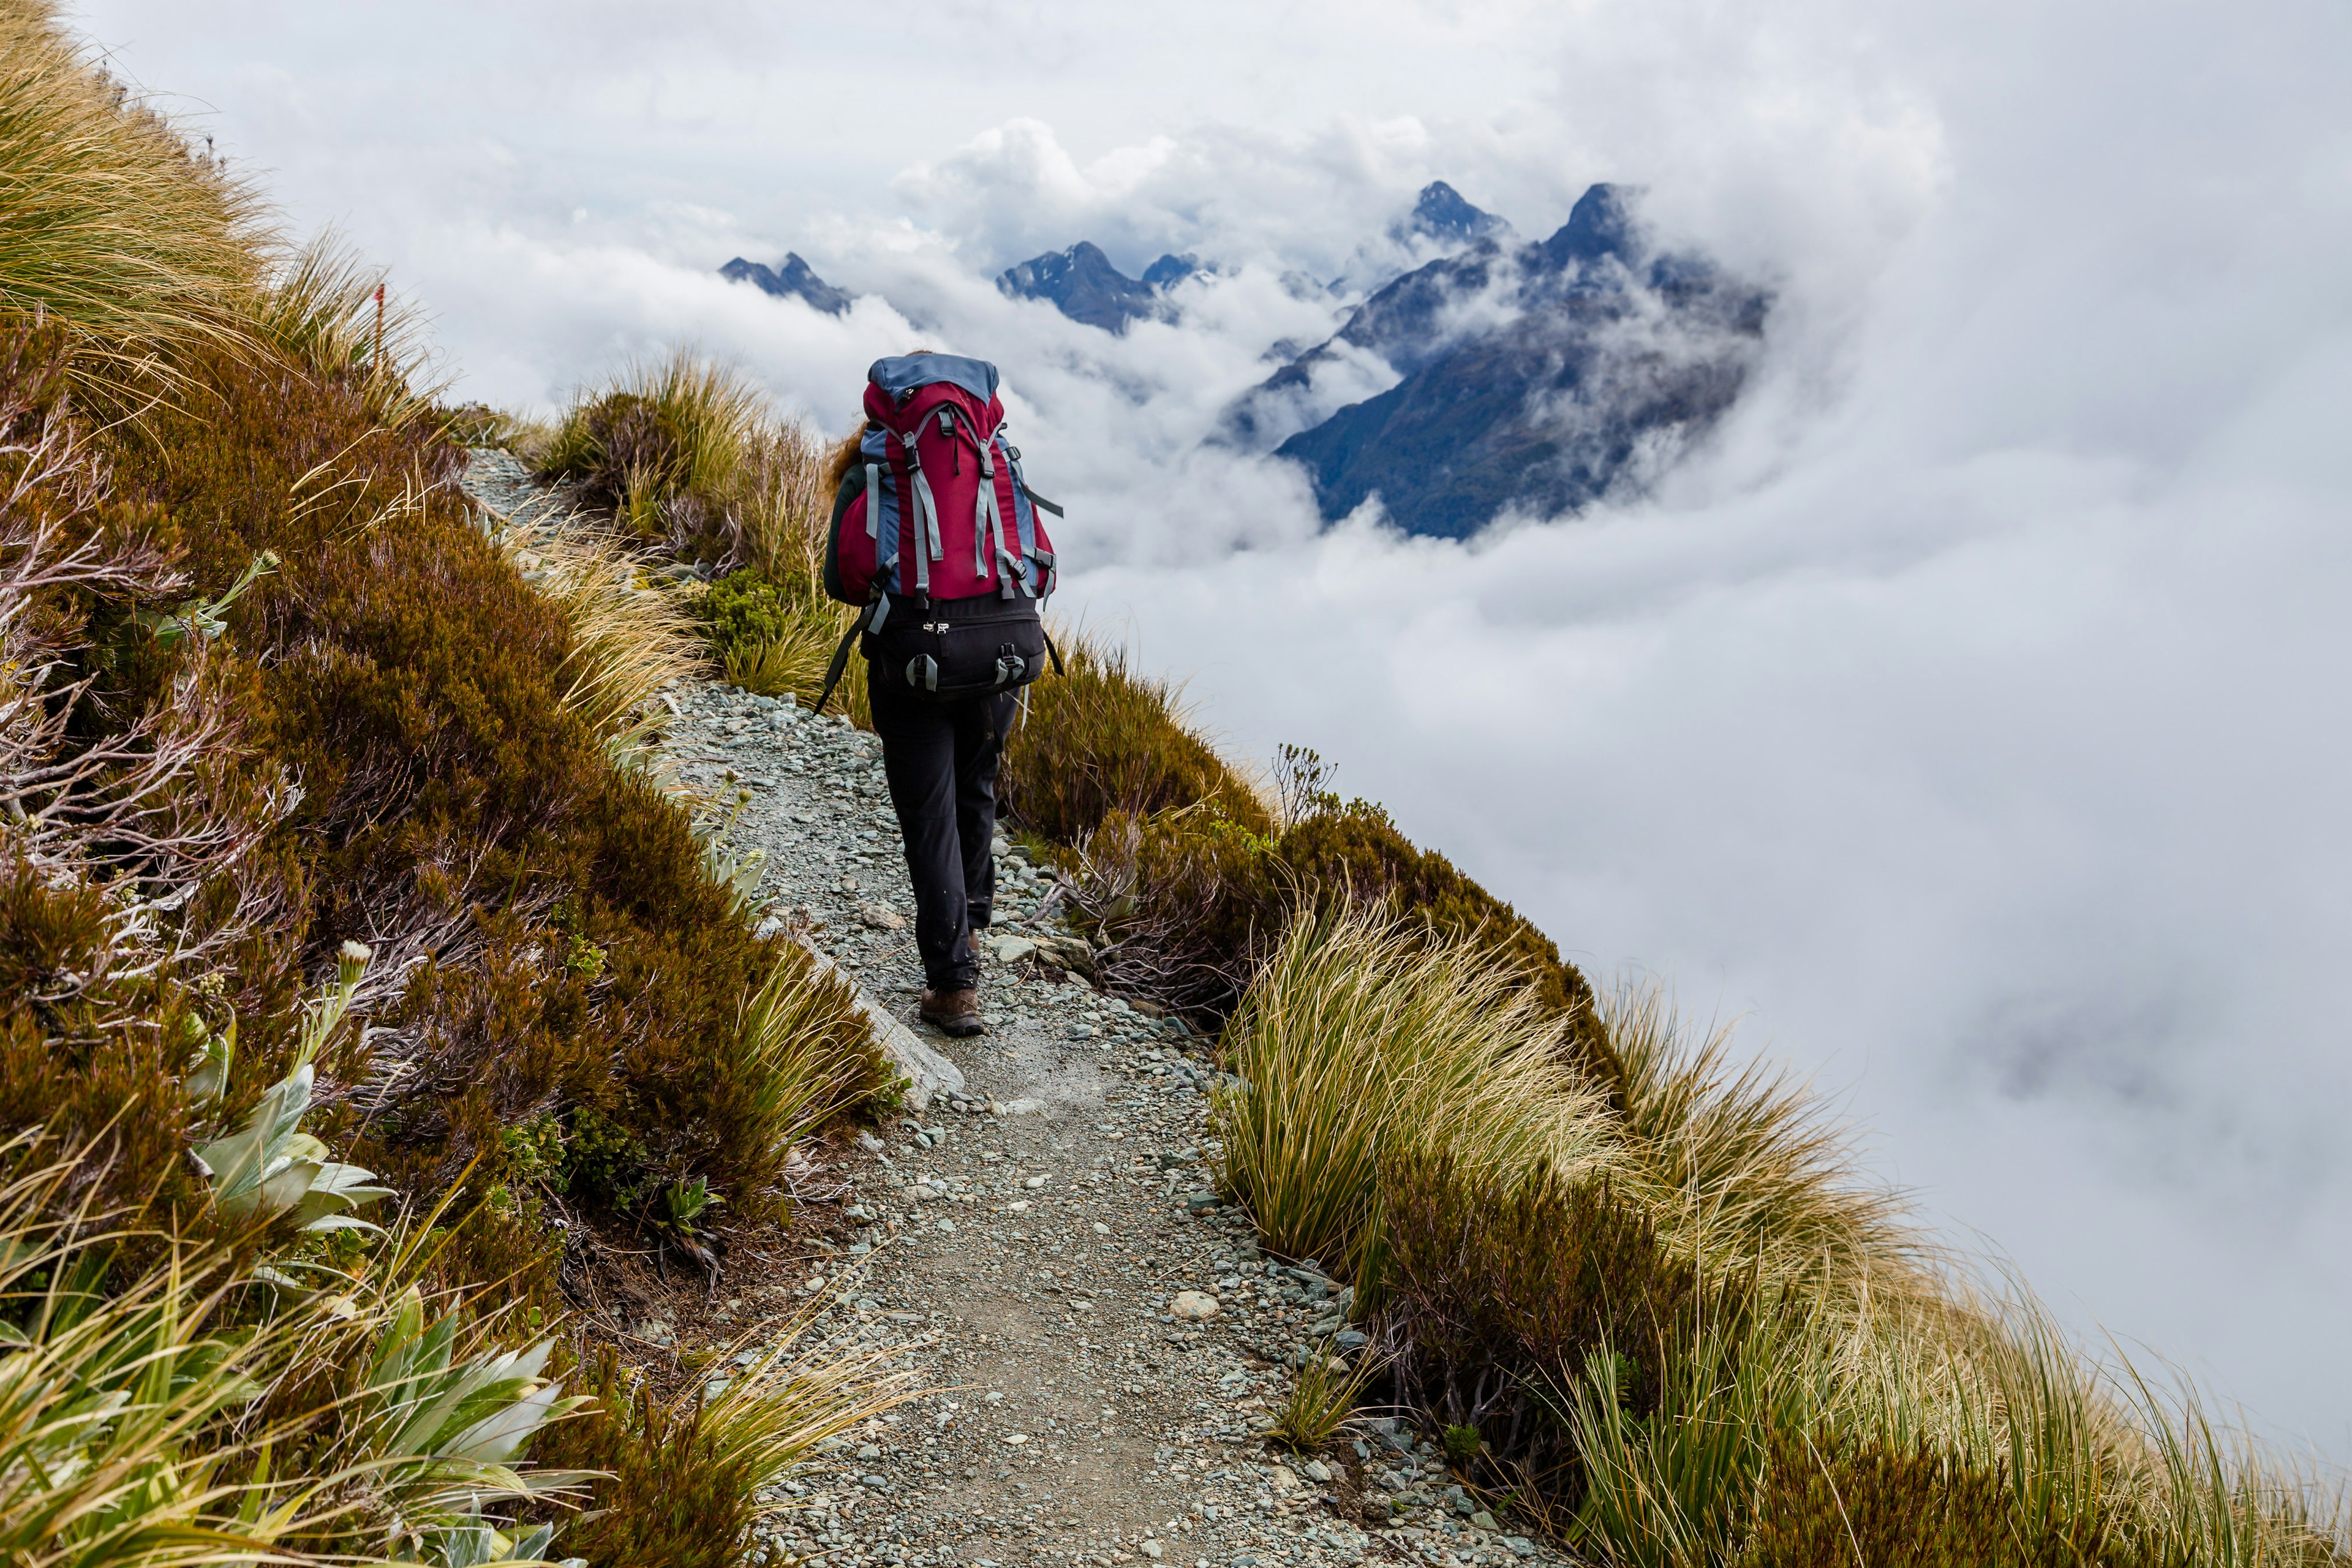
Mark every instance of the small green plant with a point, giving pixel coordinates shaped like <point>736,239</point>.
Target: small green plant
<point>776,636</point>
<point>735,869</point>
<point>1461,1445</point>
<point>583,958</point>
<point>685,1203</point>
<point>603,1160</point>
<point>1322,1399</point>
<point>269,1167</point>
<point>534,1150</point>
<point>204,618</point>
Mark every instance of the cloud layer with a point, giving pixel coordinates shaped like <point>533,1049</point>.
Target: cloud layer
<point>1968,715</point>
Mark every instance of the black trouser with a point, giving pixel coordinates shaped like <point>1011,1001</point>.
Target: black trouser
<point>940,760</point>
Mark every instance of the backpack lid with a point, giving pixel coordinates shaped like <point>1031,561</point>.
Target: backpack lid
<point>902,373</point>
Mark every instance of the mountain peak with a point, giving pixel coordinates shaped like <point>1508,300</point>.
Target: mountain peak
<point>1441,213</point>
<point>794,280</point>
<point>1601,224</point>
<point>1169,270</point>
<point>1082,284</point>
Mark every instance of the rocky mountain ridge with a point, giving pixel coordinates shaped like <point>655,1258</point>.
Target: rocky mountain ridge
<point>793,278</point>
<point>1537,378</point>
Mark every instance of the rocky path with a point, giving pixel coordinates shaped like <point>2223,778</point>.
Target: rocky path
<point>1104,1342</point>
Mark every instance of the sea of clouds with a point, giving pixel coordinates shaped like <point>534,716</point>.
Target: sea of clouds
<point>1969,715</point>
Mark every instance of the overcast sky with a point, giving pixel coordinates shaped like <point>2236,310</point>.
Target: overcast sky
<point>1971,718</point>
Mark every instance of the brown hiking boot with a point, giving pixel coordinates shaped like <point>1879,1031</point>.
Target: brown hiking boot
<point>955,1013</point>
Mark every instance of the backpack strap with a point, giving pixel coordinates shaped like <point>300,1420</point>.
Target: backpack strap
<point>926,519</point>
<point>1024,518</point>
<point>882,508</point>
<point>869,619</point>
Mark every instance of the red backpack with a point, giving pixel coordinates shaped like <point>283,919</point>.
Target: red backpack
<point>943,520</point>
<point>944,514</point>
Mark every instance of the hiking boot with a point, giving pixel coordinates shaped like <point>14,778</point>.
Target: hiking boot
<point>955,1013</point>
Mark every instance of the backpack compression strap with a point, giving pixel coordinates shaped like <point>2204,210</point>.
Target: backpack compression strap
<point>928,547</point>
<point>869,620</point>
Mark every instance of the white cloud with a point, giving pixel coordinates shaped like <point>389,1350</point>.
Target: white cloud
<point>1969,715</point>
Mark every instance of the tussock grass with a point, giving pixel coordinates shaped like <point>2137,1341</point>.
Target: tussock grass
<point>114,228</point>
<point>1670,1482</point>
<point>689,1474</point>
<point>690,450</point>
<point>815,1058</point>
<point>1323,1398</point>
<point>1362,1041</point>
<point>1750,1165</point>
<point>664,429</point>
<point>631,636</point>
<point>786,508</point>
<point>319,309</point>
<point>1685,1331</point>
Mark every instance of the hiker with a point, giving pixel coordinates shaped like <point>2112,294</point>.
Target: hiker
<point>935,535</point>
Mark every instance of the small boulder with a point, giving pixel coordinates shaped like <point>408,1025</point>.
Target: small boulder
<point>1010,949</point>
<point>881,917</point>
<point>1192,1306</point>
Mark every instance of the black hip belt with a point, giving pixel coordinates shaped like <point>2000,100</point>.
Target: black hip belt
<point>948,649</point>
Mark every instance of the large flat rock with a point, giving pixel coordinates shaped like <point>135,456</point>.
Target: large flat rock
<point>928,1071</point>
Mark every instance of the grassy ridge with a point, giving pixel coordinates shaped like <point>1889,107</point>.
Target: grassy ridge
<point>358,986</point>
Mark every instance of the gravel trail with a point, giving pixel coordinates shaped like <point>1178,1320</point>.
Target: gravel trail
<point>1028,1233</point>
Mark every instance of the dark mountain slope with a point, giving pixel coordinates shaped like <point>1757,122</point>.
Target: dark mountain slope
<point>1082,284</point>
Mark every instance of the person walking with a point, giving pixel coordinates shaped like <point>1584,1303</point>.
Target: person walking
<point>937,538</point>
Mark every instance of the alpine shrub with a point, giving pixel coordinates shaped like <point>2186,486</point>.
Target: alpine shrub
<point>1827,1503</point>
<point>1498,1287</point>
